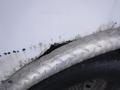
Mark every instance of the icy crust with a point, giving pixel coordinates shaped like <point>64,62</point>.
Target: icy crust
<point>64,57</point>
<point>10,62</point>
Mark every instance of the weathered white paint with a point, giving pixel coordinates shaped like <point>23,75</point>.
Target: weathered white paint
<point>27,22</point>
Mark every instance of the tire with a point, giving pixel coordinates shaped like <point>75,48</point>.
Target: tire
<point>75,52</point>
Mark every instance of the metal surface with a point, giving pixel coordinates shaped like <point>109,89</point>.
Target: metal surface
<point>63,57</point>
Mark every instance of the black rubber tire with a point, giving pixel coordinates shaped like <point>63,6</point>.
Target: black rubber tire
<point>105,66</point>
